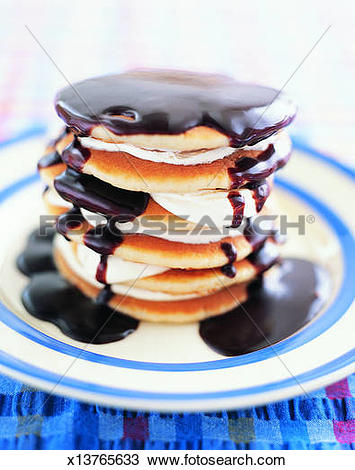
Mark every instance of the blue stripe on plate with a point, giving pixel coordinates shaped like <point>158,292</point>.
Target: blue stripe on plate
<point>301,144</point>
<point>64,381</point>
<point>33,131</point>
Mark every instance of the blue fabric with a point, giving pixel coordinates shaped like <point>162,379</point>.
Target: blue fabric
<point>32,419</point>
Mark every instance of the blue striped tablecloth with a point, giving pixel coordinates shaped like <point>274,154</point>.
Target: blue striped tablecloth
<point>31,419</point>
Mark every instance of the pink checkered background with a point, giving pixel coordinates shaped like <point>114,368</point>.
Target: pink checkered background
<point>261,41</point>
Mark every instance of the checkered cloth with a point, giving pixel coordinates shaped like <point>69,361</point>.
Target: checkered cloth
<point>82,42</point>
<point>31,419</point>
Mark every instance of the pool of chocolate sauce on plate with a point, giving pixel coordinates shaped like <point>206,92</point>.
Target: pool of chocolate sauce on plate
<point>50,297</point>
<point>275,309</point>
<point>278,305</point>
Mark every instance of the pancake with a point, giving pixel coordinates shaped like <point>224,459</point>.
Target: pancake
<point>126,171</point>
<point>173,281</point>
<point>179,311</point>
<point>172,109</point>
<point>60,142</point>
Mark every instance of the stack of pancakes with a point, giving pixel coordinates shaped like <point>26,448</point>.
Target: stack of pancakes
<point>158,182</point>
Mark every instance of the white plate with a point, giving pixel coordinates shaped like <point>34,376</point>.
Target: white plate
<point>164,367</point>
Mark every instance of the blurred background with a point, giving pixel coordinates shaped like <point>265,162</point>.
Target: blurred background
<point>305,47</point>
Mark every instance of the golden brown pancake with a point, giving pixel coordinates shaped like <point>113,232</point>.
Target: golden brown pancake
<point>128,172</point>
<point>185,282</point>
<point>180,281</point>
<point>59,144</point>
<point>194,139</point>
<point>175,311</point>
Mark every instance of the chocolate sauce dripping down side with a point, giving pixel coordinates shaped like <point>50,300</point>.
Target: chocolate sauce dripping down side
<point>230,251</point>
<point>53,158</point>
<point>105,295</point>
<point>95,195</point>
<point>101,270</point>
<point>88,192</point>
<point>261,191</point>
<point>238,204</point>
<point>172,102</point>
<point>104,239</point>
<point>253,169</point>
<point>276,308</point>
<point>254,235</point>
<point>75,155</point>
<point>49,297</point>
<point>70,220</point>
<point>264,257</point>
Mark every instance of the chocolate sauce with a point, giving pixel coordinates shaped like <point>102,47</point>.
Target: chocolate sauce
<point>75,155</point>
<point>276,308</point>
<point>229,250</point>
<point>49,160</point>
<point>253,169</point>
<point>95,195</point>
<point>101,269</point>
<point>264,257</point>
<point>238,204</point>
<point>261,191</point>
<point>70,220</point>
<point>254,235</point>
<point>49,297</point>
<point>37,254</point>
<point>105,295</point>
<point>103,239</point>
<point>172,102</point>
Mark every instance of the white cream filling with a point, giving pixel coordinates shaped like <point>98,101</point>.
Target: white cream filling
<point>211,203</point>
<point>118,269</point>
<point>66,251</point>
<point>196,236</point>
<point>170,156</point>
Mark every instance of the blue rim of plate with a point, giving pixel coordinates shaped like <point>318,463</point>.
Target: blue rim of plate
<point>325,321</point>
